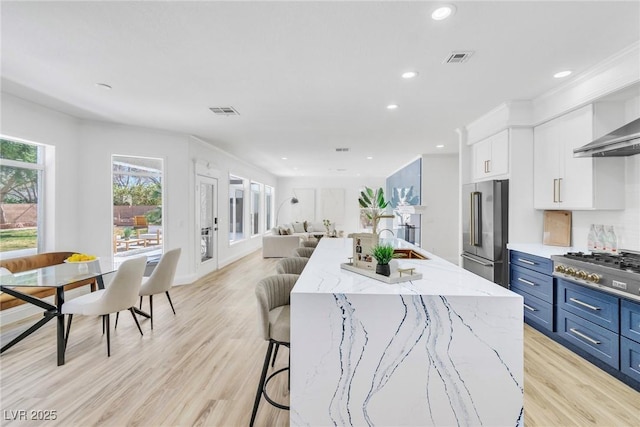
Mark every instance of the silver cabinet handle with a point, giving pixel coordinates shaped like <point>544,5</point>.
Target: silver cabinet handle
<point>559,188</point>
<point>520,279</point>
<point>526,261</point>
<point>584,304</point>
<point>528,307</point>
<point>581,335</point>
<point>555,186</point>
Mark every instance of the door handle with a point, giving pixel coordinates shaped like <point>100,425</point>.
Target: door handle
<point>559,190</point>
<point>586,337</point>
<point>555,197</point>
<point>484,264</point>
<point>520,279</point>
<point>471,226</point>
<point>528,307</point>
<point>584,304</point>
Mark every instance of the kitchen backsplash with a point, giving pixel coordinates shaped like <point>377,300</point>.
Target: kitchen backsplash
<point>626,222</point>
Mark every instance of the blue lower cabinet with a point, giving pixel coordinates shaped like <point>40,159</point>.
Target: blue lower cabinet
<point>595,340</point>
<point>630,358</point>
<point>630,320</point>
<point>537,311</point>
<point>590,304</point>
<point>531,282</point>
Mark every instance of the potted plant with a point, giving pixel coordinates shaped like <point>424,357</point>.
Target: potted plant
<point>373,205</point>
<point>126,233</point>
<point>383,254</point>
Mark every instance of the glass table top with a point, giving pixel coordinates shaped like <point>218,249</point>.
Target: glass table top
<point>56,275</point>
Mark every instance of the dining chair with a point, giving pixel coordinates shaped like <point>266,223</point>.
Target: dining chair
<point>309,243</point>
<point>160,280</point>
<point>303,252</point>
<point>274,313</point>
<point>121,294</point>
<point>291,265</point>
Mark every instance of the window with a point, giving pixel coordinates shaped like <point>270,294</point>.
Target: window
<point>21,183</point>
<point>268,207</point>
<point>137,206</point>
<point>255,208</point>
<point>236,208</point>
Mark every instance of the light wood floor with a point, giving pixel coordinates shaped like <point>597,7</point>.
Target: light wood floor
<point>201,367</point>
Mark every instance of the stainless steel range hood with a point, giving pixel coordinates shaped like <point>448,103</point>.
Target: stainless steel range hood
<point>624,141</point>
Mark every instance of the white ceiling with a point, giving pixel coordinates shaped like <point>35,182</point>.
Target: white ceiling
<point>306,77</point>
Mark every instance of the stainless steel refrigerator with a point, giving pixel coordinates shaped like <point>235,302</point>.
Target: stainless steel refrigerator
<point>485,225</point>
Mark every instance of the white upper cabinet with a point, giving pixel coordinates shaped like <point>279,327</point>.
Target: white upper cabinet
<point>491,157</point>
<point>562,181</point>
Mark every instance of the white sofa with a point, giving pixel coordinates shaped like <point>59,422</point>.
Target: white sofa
<point>277,245</point>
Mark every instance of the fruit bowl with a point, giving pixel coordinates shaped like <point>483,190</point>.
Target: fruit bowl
<point>80,258</point>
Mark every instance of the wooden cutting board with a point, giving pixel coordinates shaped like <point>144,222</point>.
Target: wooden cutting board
<point>557,228</point>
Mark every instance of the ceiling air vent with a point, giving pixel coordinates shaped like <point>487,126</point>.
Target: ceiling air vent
<point>341,150</point>
<point>224,111</point>
<point>457,57</point>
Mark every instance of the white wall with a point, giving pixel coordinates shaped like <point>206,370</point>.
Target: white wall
<point>78,196</point>
<point>441,196</point>
<point>220,165</point>
<point>352,186</point>
<point>31,122</point>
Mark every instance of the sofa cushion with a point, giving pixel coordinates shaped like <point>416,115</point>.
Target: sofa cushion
<point>305,224</point>
<point>298,227</point>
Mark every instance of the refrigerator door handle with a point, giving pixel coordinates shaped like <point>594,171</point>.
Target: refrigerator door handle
<point>476,260</point>
<point>471,230</point>
<point>476,227</point>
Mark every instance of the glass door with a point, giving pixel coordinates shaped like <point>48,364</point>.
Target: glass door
<point>207,218</point>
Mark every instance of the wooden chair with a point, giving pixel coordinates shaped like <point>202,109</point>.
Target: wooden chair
<point>140,221</point>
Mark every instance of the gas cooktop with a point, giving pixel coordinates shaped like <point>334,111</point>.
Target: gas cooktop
<point>614,273</point>
<point>625,260</point>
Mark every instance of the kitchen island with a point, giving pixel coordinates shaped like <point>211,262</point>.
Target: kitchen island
<point>446,349</point>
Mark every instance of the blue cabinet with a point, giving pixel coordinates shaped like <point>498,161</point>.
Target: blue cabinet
<point>630,358</point>
<point>595,340</point>
<point>530,276</point>
<point>590,304</point>
<point>630,320</point>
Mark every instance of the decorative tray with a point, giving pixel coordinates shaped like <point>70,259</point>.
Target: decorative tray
<point>397,277</point>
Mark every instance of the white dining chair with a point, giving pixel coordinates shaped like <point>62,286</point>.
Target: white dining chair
<point>121,294</point>
<point>161,280</point>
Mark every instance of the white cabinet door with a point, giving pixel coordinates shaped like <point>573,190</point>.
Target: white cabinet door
<point>576,185</point>
<point>546,166</point>
<point>481,159</point>
<point>499,163</point>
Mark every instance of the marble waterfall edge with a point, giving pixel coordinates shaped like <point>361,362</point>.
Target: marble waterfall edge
<point>409,355</point>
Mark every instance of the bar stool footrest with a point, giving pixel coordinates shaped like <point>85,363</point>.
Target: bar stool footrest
<point>264,389</point>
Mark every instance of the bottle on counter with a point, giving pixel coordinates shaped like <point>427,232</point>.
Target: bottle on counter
<point>591,238</point>
<point>611,239</point>
<point>600,238</point>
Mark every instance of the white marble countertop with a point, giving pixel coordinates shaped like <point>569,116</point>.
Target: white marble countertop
<point>440,277</point>
<point>544,251</point>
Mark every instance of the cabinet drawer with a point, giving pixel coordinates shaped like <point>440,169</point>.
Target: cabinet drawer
<point>532,262</point>
<point>630,320</point>
<point>630,358</point>
<point>595,306</point>
<point>537,311</point>
<point>534,283</point>
<point>596,340</point>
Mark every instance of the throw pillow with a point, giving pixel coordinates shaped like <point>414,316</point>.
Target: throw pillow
<point>306,226</point>
<point>298,227</point>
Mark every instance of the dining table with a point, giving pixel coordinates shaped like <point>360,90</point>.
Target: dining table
<point>59,277</point>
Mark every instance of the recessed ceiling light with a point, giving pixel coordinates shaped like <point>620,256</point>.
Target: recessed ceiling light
<point>562,74</point>
<point>392,106</point>
<point>440,146</point>
<point>104,86</point>
<point>443,12</point>
<point>284,158</point>
<point>409,74</point>
<point>369,157</point>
